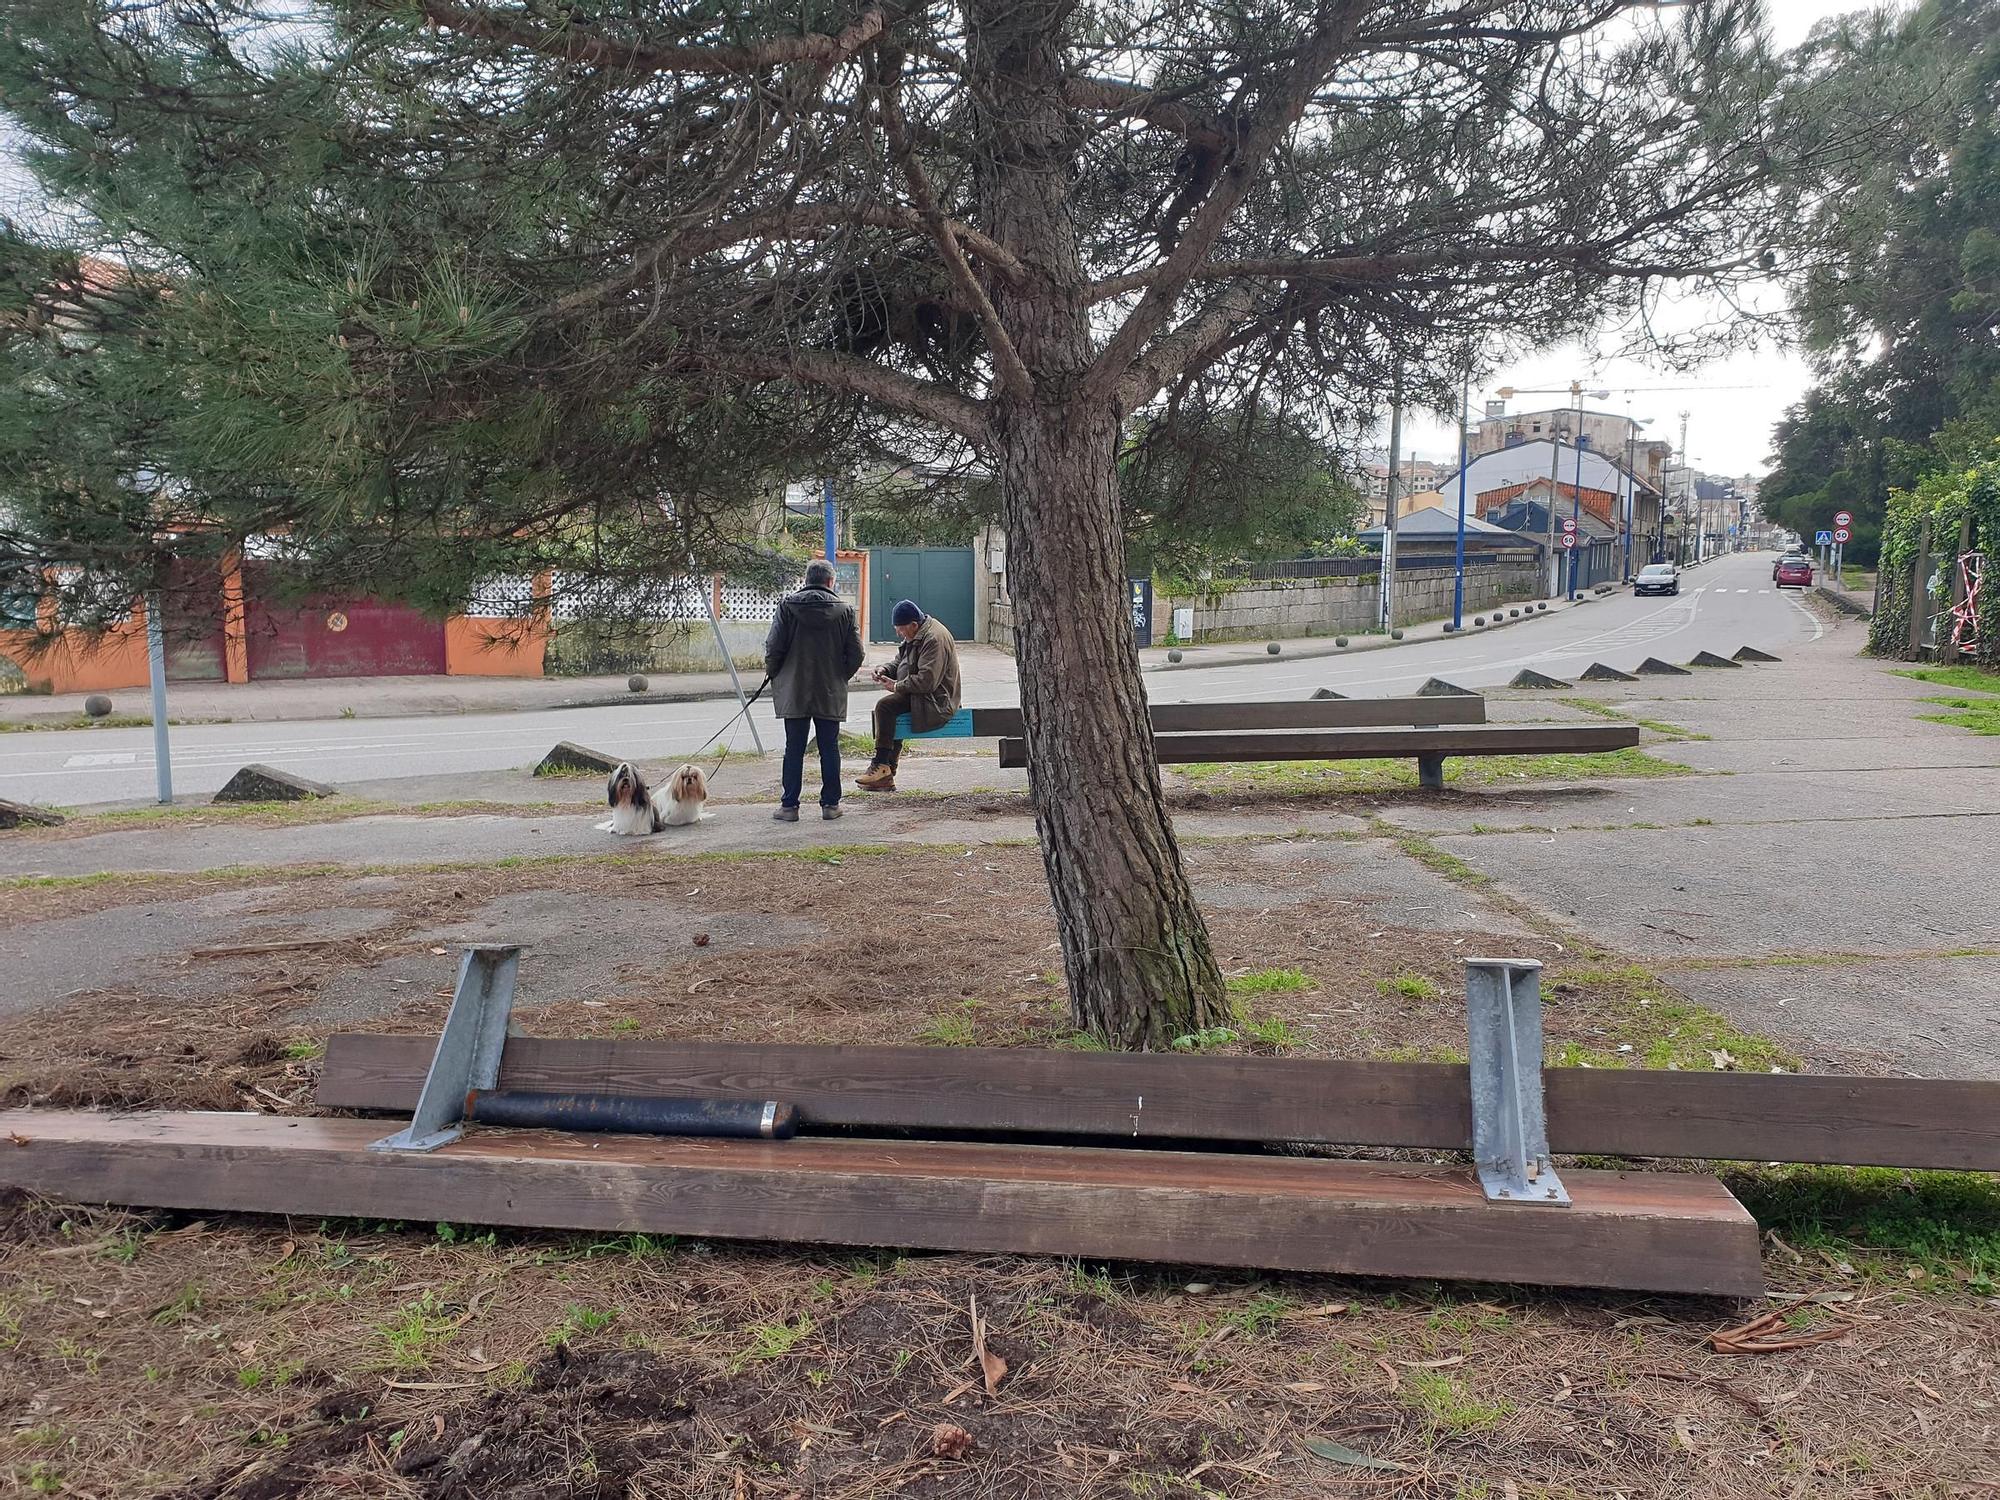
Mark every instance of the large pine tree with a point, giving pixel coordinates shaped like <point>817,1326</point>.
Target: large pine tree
<point>435,283</point>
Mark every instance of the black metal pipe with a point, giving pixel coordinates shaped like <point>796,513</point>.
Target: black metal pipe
<point>632,1114</point>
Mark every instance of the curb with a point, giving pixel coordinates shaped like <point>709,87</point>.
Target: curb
<point>1844,602</point>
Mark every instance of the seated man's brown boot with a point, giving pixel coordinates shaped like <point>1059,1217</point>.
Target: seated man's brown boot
<point>877,778</point>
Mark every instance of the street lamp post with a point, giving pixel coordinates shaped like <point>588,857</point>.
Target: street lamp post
<point>1464,461</point>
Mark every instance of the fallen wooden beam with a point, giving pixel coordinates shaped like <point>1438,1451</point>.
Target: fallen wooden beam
<point>1896,1122</point>
<point>1642,1231</point>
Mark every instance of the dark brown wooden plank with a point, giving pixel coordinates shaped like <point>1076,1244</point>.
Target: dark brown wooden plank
<point>1322,713</point>
<point>1367,744</point>
<point>1941,1124</point>
<point>1145,1097</point>
<point>1894,1122</point>
<point>1652,1232</point>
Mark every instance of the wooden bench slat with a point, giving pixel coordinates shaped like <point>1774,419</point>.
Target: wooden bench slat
<point>1892,1122</point>
<point>1369,744</point>
<point>1321,713</point>
<point>1651,1232</point>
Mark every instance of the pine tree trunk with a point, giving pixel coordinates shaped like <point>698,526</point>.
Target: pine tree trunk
<point>1134,945</point>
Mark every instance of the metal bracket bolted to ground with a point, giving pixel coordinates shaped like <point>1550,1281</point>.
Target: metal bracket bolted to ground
<point>1510,1133</point>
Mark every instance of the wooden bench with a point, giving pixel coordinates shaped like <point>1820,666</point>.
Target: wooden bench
<point>1428,746</point>
<point>1174,718</point>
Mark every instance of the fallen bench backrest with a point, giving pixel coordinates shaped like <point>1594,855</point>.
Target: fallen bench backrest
<point>1153,1098</point>
<point>1311,713</point>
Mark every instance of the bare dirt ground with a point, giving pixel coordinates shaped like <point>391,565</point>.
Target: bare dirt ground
<point>158,1355</point>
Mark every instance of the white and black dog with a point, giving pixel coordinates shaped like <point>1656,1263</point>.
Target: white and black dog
<point>636,810</point>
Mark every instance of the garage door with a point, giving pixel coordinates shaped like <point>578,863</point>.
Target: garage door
<point>939,579</point>
<point>335,636</point>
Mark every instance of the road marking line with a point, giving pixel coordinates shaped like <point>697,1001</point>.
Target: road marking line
<point>102,758</point>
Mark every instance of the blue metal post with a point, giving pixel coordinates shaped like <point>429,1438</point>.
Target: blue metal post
<point>1464,478</point>
<point>832,528</point>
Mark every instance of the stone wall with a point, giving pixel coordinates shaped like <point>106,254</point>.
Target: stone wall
<point>1286,608</point>
<point>583,648</point>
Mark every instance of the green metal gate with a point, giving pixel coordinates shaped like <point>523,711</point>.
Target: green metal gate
<point>939,579</point>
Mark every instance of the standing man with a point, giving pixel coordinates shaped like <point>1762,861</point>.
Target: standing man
<point>922,682</point>
<point>813,649</point>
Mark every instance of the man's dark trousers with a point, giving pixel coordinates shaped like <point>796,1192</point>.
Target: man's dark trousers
<point>888,707</point>
<point>828,733</point>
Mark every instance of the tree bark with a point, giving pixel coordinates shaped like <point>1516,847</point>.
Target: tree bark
<point>1135,948</point>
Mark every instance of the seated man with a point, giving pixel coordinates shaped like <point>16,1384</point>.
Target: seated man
<point>922,682</point>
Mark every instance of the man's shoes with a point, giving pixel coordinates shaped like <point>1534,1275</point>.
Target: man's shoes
<point>877,779</point>
<point>830,813</point>
<point>785,815</point>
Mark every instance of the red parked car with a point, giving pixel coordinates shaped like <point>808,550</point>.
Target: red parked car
<point>1793,572</point>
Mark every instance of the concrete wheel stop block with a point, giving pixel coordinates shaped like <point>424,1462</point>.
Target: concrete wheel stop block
<point>16,814</point>
<point>571,759</point>
<point>1710,659</point>
<point>1597,671</point>
<point>1652,666</point>
<point>1528,677</point>
<point>1437,687</point>
<point>269,784</point>
<point>1751,653</point>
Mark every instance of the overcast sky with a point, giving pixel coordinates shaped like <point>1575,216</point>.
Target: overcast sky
<point>1731,403</point>
<point>1735,400</point>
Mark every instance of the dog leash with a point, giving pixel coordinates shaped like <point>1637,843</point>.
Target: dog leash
<point>727,726</point>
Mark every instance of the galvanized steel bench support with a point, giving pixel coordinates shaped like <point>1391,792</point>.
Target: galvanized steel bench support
<point>468,1050</point>
<point>1510,1133</point>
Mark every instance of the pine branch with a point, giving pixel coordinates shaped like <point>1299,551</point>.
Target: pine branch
<point>922,399</point>
<point>581,44</point>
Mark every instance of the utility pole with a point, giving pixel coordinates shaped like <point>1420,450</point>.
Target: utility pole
<point>832,520</point>
<point>1464,478</point>
<point>156,666</point>
<point>1387,605</point>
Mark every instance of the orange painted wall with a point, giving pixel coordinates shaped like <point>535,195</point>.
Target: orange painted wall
<point>494,648</point>
<point>80,663</point>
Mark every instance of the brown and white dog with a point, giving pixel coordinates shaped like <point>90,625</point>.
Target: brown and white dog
<point>636,810</point>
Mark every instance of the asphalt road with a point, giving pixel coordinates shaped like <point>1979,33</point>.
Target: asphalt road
<point>1723,605</point>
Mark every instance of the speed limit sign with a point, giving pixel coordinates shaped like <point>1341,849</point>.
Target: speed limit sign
<point>1568,540</point>
<point>1843,518</point>
<point>1840,534</point>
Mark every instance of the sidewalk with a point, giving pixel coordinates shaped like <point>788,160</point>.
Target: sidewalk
<point>410,697</point>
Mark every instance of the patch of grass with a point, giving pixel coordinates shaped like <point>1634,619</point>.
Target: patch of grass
<point>1405,1053</point>
<point>1441,861</point>
<point>770,1341</point>
<point>952,1029</point>
<point>304,1049</point>
<point>1665,1031</point>
<point>418,1331</point>
<point>564,773</point>
<point>578,1320</point>
<point>1409,985</point>
<point>1204,1039</point>
<point>1269,982</point>
<point>1964,679</point>
<point>1271,1031</point>
<point>1260,1316</point>
<point>1948,1223</point>
<point>124,1248</point>
<point>185,1304</point>
<point>1449,1407</point>
<point>1307,778</point>
<point>1980,715</point>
